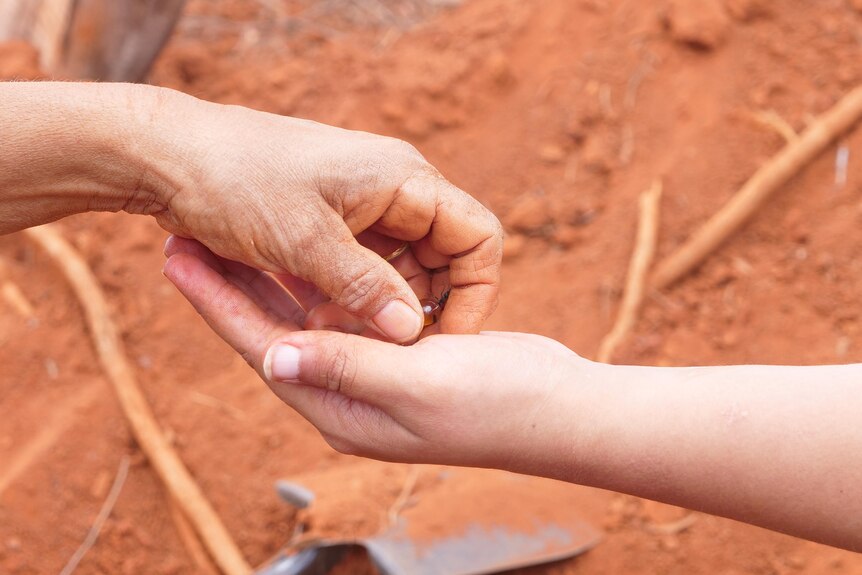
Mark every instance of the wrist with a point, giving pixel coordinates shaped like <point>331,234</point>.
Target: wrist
<point>615,435</point>
<point>588,420</point>
<point>565,433</point>
<point>152,143</point>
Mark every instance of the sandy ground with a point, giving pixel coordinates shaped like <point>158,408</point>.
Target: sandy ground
<point>555,114</point>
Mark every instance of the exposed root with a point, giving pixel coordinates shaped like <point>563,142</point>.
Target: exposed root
<point>16,299</point>
<point>766,181</point>
<point>642,257</point>
<point>12,294</point>
<point>203,564</point>
<point>162,456</point>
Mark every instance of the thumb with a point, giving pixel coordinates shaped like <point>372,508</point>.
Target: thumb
<point>365,285</point>
<point>360,368</point>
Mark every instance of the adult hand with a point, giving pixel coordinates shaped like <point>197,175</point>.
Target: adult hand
<point>480,400</point>
<point>290,196</point>
<point>278,194</point>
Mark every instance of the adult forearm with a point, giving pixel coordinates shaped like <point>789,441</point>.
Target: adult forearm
<point>70,148</point>
<point>779,447</point>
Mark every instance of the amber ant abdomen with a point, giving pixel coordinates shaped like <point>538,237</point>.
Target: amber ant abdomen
<point>433,307</point>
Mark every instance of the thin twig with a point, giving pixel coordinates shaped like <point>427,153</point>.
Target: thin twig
<point>772,120</point>
<point>216,403</point>
<point>642,256</point>
<point>403,497</point>
<point>104,513</point>
<point>16,299</point>
<point>13,295</point>
<point>164,459</point>
<point>766,181</point>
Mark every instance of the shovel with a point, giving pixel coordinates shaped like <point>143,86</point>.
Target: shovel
<point>462,522</point>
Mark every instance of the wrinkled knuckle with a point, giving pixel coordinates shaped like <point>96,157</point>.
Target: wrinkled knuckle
<point>305,243</point>
<point>483,262</point>
<point>339,370</point>
<point>306,258</point>
<point>358,292</point>
<point>474,316</point>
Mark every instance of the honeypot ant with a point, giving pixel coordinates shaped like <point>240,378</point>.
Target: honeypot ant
<point>432,307</point>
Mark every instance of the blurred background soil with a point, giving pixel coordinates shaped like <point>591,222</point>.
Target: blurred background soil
<point>555,114</point>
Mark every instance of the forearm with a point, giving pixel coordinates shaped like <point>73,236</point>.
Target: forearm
<point>70,148</point>
<point>780,447</point>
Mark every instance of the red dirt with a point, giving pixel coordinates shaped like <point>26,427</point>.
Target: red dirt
<point>556,114</point>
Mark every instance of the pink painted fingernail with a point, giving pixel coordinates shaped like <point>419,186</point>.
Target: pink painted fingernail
<point>398,321</point>
<point>282,363</point>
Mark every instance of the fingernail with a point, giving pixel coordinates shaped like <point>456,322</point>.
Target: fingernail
<point>398,321</point>
<point>282,363</point>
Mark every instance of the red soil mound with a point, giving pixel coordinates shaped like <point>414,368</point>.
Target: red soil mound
<point>556,114</point>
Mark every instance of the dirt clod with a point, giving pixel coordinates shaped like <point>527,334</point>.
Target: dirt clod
<point>747,10</point>
<point>514,246</point>
<point>530,213</point>
<point>698,23</point>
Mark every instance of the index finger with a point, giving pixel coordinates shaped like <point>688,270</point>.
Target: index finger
<point>462,233</point>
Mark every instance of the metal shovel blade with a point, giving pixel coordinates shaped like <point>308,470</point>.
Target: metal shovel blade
<point>471,522</point>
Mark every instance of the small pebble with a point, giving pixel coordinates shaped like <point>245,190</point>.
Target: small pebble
<point>294,494</point>
<point>698,23</point>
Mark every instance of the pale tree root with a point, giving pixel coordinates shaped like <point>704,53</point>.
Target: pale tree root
<point>645,246</point>
<point>795,156</point>
<point>161,455</point>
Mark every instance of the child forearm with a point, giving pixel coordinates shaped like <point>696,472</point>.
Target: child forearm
<point>780,447</point>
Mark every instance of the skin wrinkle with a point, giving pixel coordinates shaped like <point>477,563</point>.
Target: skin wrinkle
<point>261,331</point>
<point>485,232</point>
<point>362,215</point>
<point>355,294</point>
<point>250,289</point>
<point>333,191</point>
<point>347,416</point>
<point>469,266</point>
<point>272,232</point>
<point>370,422</point>
<point>469,284</point>
<point>471,315</point>
<point>399,216</point>
<point>314,260</point>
